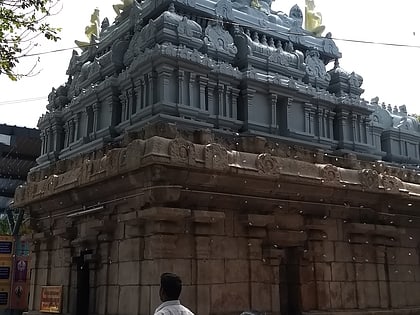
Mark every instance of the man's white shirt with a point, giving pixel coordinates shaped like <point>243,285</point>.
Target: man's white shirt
<point>172,308</point>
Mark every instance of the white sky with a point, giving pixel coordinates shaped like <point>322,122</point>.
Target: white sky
<point>392,73</point>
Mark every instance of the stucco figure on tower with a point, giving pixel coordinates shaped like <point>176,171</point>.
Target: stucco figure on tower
<point>313,19</point>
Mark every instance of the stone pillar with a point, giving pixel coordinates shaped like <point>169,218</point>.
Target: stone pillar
<point>131,102</point>
<point>43,142</point>
<point>203,82</point>
<point>57,131</point>
<point>124,107</point>
<point>191,89</point>
<point>143,93</point>
<point>181,76</point>
<point>366,121</point>
<point>76,118</point>
<point>220,98</point>
<point>330,122</point>
<point>150,78</point>
<point>273,125</point>
<point>309,119</point>
<point>354,127</point>
<point>66,134</point>
<point>96,108</point>
<point>210,90</point>
<point>342,126</point>
<point>164,76</point>
<point>235,95</point>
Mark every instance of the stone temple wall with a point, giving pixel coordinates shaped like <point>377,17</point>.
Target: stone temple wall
<point>208,138</point>
<point>249,224</point>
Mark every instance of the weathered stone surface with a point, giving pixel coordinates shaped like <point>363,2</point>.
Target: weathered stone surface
<point>128,302</point>
<point>130,249</point>
<point>128,273</point>
<point>210,271</point>
<point>229,298</point>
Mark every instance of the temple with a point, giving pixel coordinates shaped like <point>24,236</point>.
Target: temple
<point>209,138</point>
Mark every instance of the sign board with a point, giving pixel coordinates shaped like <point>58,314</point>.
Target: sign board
<point>19,293</point>
<point>6,245</point>
<point>4,296</point>
<point>51,299</point>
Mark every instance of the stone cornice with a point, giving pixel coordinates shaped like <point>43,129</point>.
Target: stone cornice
<point>264,163</point>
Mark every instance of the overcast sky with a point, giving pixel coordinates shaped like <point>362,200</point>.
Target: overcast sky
<point>392,73</point>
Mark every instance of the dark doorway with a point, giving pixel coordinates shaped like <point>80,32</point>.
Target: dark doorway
<point>82,297</point>
<point>289,282</point>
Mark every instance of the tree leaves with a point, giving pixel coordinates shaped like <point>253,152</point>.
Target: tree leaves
<point>21,21</point>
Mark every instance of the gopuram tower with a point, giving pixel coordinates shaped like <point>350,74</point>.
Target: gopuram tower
<point>207,138</point>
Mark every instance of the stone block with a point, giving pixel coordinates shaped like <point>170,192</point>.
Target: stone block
<point>128,273</point>
<point>188,297</point>
<point>164,227</point>
<point>163,214</point>
<point>348,295</point>
<point>167,246</point>
<point>236,270</point>
<point>383,294</point>
<point>256,220</point>
<point>398,294</point>
<point>289,221</point>
<point>144,300</point>
<point>202,247</point>
<point>284,238</point>
<point>42,259</point>
<point>306,273</point>
<point>210,271</point>
<point>130,249</point>
<point>100,298</point>
<point>112,300</point>
<point>221,246</point>
<point>335,295</point>
<point>102,274</point>
<point>308,296</point>
<point>229,223</point>
<point>338,271</point>
<point>366,271</point>
<point>134,230</point>
<point>229,298</point>
<point>323,271</point>
<point>322,251</point>
<point>363,253</point>
<point>361,298</point>
<point>261,272</point>
<point>154,298</point>
<point>372,296</point>
<point>203,299</point>
<point>250,249</point>
<point>151,270</point>
<point>209,217</point>
<point>41,276</point>
<point>59,276</point>
<point>323,294</point>
<point>113,274</point>
<point>380,269</point>
<point>128,302</point>
<point>343,252</point>
<point>261,297</point>
<point>407,256</point>
<point>275,300</point>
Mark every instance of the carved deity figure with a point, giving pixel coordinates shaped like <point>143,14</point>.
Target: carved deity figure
<point>119,8</point>
<point>91,31</point>
<point>313,19</point>
<point>255,4</point>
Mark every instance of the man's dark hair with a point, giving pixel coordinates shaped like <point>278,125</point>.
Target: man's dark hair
<point>171,285</point>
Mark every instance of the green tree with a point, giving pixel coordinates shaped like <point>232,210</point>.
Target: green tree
<point>21,22</point>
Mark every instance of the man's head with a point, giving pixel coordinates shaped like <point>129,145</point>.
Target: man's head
<point>170,287</point>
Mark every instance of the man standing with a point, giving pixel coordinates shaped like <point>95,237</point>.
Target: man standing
<point>170,290</point>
